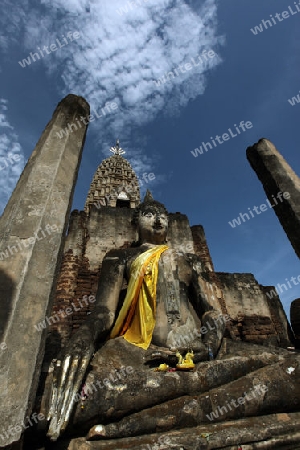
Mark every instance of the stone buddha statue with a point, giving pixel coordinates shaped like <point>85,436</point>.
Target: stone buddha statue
<point>161,314</point>
<point>119,375</point>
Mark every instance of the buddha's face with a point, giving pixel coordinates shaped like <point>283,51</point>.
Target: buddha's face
<point>153,225</point>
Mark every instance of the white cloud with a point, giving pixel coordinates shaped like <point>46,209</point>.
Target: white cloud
<point>10,169</point>
<point>119,57</point>
<point>12,20</point>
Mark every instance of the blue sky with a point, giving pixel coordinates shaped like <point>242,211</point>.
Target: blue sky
<point>119,56</point>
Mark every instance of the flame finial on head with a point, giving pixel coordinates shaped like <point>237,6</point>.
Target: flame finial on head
<point>148,202</point>
<point>148,197</point>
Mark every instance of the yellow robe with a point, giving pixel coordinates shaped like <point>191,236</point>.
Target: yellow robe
<point>136,320</point>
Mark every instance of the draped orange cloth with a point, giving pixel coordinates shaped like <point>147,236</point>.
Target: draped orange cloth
<point>136,320</point>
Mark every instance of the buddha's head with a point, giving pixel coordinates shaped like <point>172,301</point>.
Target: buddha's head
<point>151,218</point>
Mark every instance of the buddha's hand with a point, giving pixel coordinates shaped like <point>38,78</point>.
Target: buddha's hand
<point>155,353</point>
<point>200,351</point>
<point>197,346</point>
<point>68,375</point>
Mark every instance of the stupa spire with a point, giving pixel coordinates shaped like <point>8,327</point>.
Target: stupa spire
<point>114,183</point>
<point>117,150</point>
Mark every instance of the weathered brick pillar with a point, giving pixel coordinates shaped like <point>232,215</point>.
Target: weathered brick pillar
<point>213,288</point>
<point>201,247</point>
<point>278,177</point>
<point>32,234</point>
<point>67,283</point>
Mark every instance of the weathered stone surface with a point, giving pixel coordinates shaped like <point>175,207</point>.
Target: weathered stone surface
<point>261,392</point>
<point>121,393</point>
<point>278,316</point>
<point>254,317</point>
<point>276,175</point>
<point>265,432</point>
<point>295,319</point>
<point>231,348</point>
<point>201,248</point>
<point>32,230</point>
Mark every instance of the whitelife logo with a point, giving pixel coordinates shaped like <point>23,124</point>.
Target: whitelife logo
<point>183,68</point>
<point>53,47</point>
<point>74,126</point>
<point>265,24</point>
<point>10,159</point>
<point>294,100</point>
<point>244,126</point>
<point>263,207</point>
<point>64,312</point>
<point>259,389</point>
<point>129,6</point>
<point>25,243</point>
<point>123,188</point>
<point>279,288</point>
<point>14,429</point>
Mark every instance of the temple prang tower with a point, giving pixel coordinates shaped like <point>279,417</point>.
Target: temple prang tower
<point>114,184</point>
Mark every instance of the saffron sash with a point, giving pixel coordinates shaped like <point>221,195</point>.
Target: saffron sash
<point>136,320</point>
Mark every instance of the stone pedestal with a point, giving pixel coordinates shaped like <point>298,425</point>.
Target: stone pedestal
<point>265,432</point>
<point>32,230</point>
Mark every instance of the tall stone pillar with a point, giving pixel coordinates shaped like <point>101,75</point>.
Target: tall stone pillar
<point>277,176</point>
<point>295,320</point>
<point>32,234</point>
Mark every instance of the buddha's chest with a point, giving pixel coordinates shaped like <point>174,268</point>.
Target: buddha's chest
<point>173,270</point>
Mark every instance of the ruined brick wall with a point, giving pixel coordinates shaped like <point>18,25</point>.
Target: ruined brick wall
<point>60,325</point>
<point>89,239</point>
<point>108,228</point>
<point>279,318</point>
<point>209,281</point>
<point>201,247</point>
<point>253,318</point>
